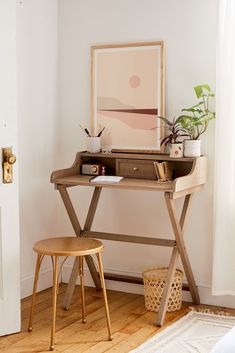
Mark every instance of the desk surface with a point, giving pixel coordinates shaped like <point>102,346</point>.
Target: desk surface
<point>125,183</point>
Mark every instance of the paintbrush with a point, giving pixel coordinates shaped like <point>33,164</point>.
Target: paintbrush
<point>100,133</point>
<point>85,130</point>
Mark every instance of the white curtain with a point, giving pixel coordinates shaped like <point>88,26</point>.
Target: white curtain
<point>223,281</point>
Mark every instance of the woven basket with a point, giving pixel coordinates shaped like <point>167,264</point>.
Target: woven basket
<point>154,283</point>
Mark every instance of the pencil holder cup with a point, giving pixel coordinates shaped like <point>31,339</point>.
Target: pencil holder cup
<point>93,144</point>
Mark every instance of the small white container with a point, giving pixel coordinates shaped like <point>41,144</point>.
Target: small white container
<point>176,150</point>
<point>192,148</point>
<point>93,144</point>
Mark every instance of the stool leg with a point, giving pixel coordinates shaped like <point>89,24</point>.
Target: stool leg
<point>104,294</point>
<point>55,287</point>
<point>81,273</point>
<point>37,270</point>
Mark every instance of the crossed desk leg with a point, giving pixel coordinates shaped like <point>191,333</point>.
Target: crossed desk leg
<point>178,250</point>
<point>77,228</point>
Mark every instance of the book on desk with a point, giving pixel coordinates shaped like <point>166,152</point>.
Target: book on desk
<point>164,170</point>
<point>106,179</point>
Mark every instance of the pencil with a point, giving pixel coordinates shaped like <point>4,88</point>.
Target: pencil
<point>85,130</point>
<point>99,134</point>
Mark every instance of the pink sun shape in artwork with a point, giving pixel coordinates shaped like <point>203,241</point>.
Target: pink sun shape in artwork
<point>134,81</point>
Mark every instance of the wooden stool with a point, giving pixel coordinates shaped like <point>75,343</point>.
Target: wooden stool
<point>68,246</point>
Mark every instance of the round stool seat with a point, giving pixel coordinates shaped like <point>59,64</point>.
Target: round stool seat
<point>68,246</point>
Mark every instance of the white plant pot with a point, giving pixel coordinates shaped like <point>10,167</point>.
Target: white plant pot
<point>192,148</point>
<point>176,150</point>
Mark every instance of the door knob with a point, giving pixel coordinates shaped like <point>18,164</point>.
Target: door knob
<point>8,159</point>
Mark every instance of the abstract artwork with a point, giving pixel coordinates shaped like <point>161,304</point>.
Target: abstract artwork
<point>127,95</point>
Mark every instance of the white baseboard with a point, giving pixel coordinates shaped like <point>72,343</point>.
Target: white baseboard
<point>204,289</point>
<point>45,281</point>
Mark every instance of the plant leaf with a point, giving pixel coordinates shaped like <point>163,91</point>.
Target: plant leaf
<point>165,140</point>
<point>168,122</point>
<point>199,90</point>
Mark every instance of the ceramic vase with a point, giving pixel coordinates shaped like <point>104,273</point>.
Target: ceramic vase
<point>176,150</point>
<point>93,144</point>
<point>192,148</point>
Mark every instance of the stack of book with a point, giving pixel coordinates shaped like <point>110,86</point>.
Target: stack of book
<point>164,171</point>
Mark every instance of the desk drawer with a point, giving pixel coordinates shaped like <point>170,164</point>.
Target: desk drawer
<point>135,168</point>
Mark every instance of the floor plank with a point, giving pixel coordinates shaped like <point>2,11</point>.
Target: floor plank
<point>131,323</point>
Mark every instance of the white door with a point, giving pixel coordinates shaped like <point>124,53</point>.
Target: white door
<point>9,219</point>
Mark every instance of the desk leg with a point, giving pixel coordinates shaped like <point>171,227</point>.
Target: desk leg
<point>92,208</point>
<point>166,293</point>
<point>178,229</point>
<point>77,228</point>
<point>87,226</point>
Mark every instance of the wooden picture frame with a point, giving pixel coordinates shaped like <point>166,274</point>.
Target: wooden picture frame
<point>127,94</point>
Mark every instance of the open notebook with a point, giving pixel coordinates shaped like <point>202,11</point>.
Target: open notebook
<point>106,179</point>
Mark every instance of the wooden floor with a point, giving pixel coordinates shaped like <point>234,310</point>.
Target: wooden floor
<point>131,324</point>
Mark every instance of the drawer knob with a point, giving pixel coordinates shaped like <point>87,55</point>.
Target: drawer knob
<point>135,169</point>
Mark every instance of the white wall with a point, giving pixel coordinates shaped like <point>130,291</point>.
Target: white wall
<point>38,129</point>
<point>189,30</point>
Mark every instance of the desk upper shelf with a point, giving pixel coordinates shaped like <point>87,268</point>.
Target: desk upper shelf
<point>190,173</point>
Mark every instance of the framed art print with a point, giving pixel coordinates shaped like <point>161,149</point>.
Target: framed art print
<point>127,95</point>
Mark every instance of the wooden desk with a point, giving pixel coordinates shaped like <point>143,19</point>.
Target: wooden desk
<point>190,176</point>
